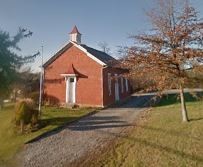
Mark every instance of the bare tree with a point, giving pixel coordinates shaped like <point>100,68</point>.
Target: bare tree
<point>105,47</point>
<point>175,39</point>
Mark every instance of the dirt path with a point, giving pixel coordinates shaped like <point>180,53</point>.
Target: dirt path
<point>83,137</point>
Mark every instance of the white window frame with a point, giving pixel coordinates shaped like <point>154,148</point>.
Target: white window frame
<point>117,91</point>
<point>109,84</point>
<point>122,86</point>
<point>126,84</point>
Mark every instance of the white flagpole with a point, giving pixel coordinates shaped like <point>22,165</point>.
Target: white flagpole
<point>41,83</point>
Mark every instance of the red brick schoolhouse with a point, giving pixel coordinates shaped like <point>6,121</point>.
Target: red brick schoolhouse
<point>79,74</point>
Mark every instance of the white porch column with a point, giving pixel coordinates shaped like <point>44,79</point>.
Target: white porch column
<point>67,86</point>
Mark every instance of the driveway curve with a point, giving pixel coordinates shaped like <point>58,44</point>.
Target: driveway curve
<point>79,139</point>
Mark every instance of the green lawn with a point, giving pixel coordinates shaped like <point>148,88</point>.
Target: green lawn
<point>160,139</point>
<point>10,142</point>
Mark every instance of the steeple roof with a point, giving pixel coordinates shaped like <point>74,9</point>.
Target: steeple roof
<point>75,30</point>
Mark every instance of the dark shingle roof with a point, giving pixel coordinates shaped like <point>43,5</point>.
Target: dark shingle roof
<point>102,56</point>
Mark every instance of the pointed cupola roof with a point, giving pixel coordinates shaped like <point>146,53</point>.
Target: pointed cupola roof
<point>75,30</point>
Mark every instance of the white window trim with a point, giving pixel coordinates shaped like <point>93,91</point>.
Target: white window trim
<point>117,96</point>
<point>109,84</point>
<point>122,86</point>
<point>126,84</point>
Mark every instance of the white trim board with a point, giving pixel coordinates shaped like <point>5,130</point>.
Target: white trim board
<point>69,75</point>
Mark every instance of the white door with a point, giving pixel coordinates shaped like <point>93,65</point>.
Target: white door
<point>71,87</point>
<point>117,98</point>
<point>70,90</point>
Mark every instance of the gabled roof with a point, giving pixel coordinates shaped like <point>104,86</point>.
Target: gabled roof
<point>100,57</point>
<point>104,57</point>
<point>75,31</point>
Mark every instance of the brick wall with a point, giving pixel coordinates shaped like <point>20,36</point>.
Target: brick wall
<point>89,83</point>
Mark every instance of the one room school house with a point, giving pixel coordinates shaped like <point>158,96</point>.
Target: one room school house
<point>79,74</point>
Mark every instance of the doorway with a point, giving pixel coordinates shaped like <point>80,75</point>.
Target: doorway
<point>70,90</point>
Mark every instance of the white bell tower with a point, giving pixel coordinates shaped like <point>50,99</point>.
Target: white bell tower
<point>75,35</point>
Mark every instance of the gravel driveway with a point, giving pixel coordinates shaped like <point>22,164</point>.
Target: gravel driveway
<point>79,139</point>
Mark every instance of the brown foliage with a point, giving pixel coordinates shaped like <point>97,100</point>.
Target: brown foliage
<point>175,39</point>
<point>25,114</point>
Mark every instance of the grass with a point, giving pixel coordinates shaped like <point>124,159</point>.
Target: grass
<point>11,143</point>
<point>160,138</point>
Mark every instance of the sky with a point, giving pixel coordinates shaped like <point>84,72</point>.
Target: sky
<point>110,21</point>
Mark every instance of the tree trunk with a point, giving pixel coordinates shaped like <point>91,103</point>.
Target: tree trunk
<point>1,103</point>
<point>21,126</point>
<point>183,106</point>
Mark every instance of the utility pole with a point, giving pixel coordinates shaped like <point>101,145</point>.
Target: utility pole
<point>41,82</point>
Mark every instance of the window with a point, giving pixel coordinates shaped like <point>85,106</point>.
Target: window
<point>122,86</point>
<point>109,83</point>
<point>71,79</point>
<point>126,84</point>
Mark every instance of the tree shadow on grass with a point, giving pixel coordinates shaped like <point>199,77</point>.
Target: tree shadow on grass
<point>158,146</point>
<point>196,119</point>
<point>56,121</point>
<point>170,132</point>
<point>97,122</point>
<point>86,124</point>
<point>59,122</point>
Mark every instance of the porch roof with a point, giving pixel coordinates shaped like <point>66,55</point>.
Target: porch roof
<point>70,71</point>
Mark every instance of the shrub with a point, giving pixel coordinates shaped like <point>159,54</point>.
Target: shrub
<point>35,117</point>
<point>1,103</point>
<point>25,114</point>
<point>34,96</point>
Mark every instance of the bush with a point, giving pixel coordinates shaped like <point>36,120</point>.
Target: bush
<point>34,96</point>
<point>25,114</point>
<point>1,103</point>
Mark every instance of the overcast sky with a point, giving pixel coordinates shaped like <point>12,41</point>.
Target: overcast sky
<point>50,21</point>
